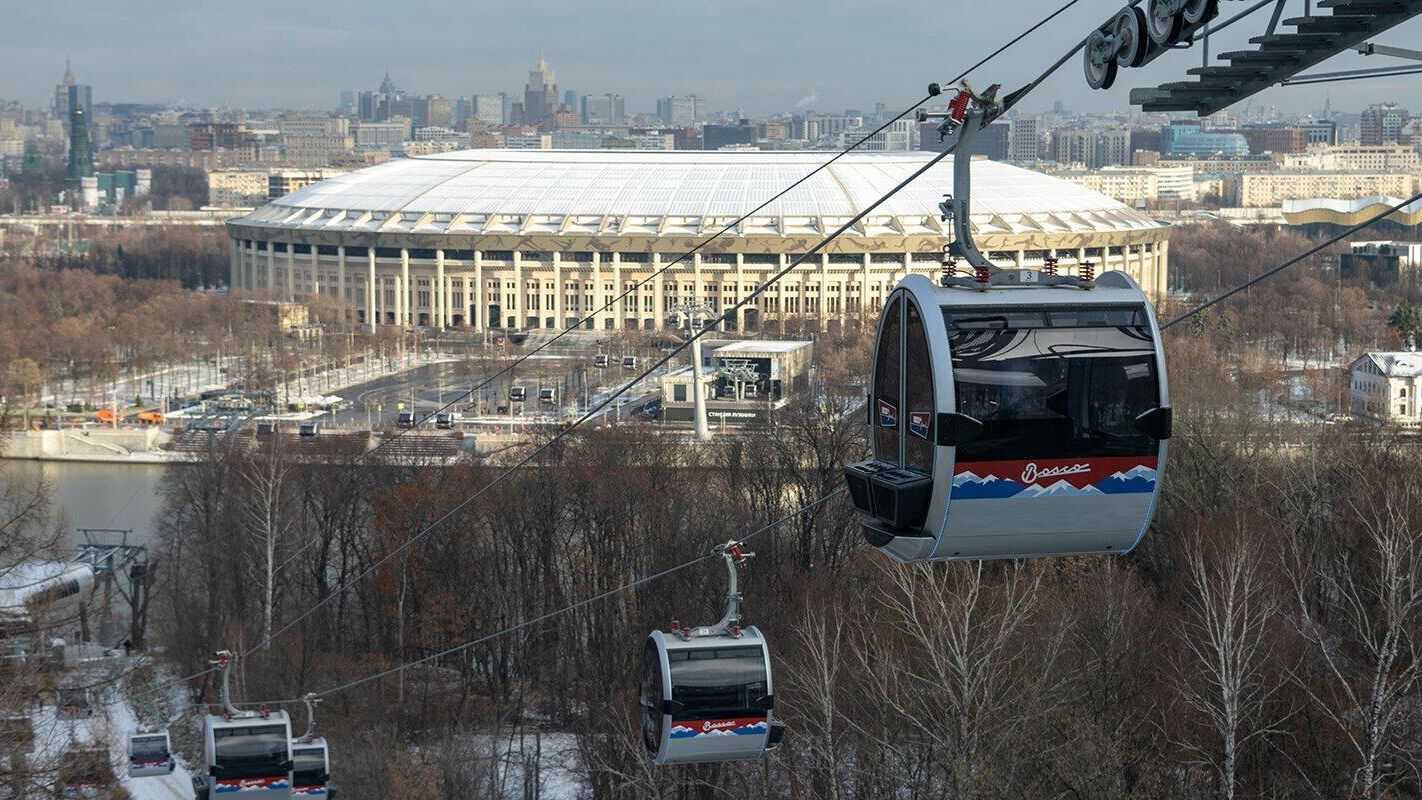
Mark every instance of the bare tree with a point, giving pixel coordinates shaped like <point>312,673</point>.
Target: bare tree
<point>265,476</point>
<point>1223,678</point>
<point>1369,672</point>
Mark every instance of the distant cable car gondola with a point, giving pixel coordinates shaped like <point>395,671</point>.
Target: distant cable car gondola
<point>600,360</point>
<point>548,394</point>
<point>629,362</point>
<point>149,753</point>
<point>248,753</point>
<point>518,394</point>
<point>707,693</point>
<point>311,771</point>
<point>1013,413</point>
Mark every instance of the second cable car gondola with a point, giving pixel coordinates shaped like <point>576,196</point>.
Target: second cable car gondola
<point>311,760</point>
<point>1015,412</point>
<point>707,693</point>
<point>248,753</point>
<point>149,753</point>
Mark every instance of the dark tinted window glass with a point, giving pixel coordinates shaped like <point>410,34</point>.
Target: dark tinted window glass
<point>150,748</point>
<point>918,395</point>
<point>253,752</point>
<point>310,766</point>
<point>356,252</point>
<point>387,252</point>
<point>886,401</point>
<point>280,247</point>
<point>326,250</point>
<point>724,682</point>
<point>301,249</point>
<point>1055,392</point>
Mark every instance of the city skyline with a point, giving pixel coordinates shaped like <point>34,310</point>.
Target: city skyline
<point>265,56</point>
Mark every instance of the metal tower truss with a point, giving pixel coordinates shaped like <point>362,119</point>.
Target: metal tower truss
<point>1278,56</point>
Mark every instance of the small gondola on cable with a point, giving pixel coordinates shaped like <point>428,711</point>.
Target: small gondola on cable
<point>707,693</point>
<point>150,752</point>
<point>248,753</point>
<point>311,760</point>
<point>1012,412</point>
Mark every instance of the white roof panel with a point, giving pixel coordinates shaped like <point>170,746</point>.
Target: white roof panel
<point>696,185</point>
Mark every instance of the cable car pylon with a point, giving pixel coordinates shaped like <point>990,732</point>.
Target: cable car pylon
<point>706,692</point>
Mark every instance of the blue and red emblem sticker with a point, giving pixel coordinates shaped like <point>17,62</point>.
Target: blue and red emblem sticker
<point>920,423</point>
<point>888,415</point>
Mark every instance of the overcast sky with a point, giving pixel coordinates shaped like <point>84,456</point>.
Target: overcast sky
<point>761,57</point>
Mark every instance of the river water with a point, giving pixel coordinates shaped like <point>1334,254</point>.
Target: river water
<point>97,495</point>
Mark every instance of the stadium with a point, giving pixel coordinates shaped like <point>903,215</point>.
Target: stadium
<point>542,238</point>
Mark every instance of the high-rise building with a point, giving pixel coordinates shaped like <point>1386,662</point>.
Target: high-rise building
<point>1024,139</point>
<point>439,112</point>
<point>489,108</point>
<point>1382,123</point>
<point>348,101</point>
<point>681,111</point>
<point>70,94</point>
<point>81,159</point>
<point>540,94</point>
<point>604,109</point>
<point>570,99</point>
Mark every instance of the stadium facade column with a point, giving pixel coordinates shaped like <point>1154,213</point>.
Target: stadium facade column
<point>1162,260</point>
<point>315,270</point>
<point>740,290</point>
<point>597,300</point>
<point>439,295</point>
<point>290,271</point>
<point>658,293</point>
<point>861,307</point>
<point>696,288</point>
<point>780,288</point>
<point>370,317</point>
<point>271,268</point>
<point>404,294</point>
<point>341,275</point>
<point>517,305</point>
<point>558,290</point>
<point>480,309</point>
<point>617,309</point>
<point>823,311</point>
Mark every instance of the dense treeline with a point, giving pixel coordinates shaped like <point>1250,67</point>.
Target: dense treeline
<point>1260,643</point>
<point>194,257</point>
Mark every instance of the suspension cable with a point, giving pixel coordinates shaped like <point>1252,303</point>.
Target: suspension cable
<point>1272,271</point>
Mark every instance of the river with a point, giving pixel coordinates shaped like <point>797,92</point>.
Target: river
<point>95,495</point>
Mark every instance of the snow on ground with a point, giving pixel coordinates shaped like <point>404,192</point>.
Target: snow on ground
<point>177,786</point>
<point>559,765</point>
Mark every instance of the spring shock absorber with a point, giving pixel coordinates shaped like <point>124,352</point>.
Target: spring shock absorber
<point>1087,273</point>
<point>1049,265</point>
<point>983,276</point>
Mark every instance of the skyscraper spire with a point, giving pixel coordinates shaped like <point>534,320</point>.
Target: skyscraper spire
<point>68,73</point>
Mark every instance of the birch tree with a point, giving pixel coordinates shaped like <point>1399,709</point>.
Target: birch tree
<point>1224,679</point>
<point>1369,673</point>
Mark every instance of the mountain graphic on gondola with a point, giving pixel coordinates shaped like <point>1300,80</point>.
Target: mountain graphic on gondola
<point>1061,488</point>
<point>969,486</point>
<point>1135,480</point>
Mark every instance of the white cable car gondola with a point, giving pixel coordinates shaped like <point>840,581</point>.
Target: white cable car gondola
<point>600,360</point>
<point>311,771</point>
<point>707,693</point>
<point>629,362</point>
<point>518,394</point>
<point>1014,413</point>
<point>149,753</point>
<point>248,753</point>
<point>548,395</point>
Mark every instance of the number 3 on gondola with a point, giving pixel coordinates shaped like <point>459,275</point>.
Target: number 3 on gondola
<point>1047,435</point>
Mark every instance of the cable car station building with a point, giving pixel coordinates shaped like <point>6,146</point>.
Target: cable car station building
<point>541,238</point>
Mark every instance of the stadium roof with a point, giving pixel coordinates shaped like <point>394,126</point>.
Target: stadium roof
<point>682,192</point>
